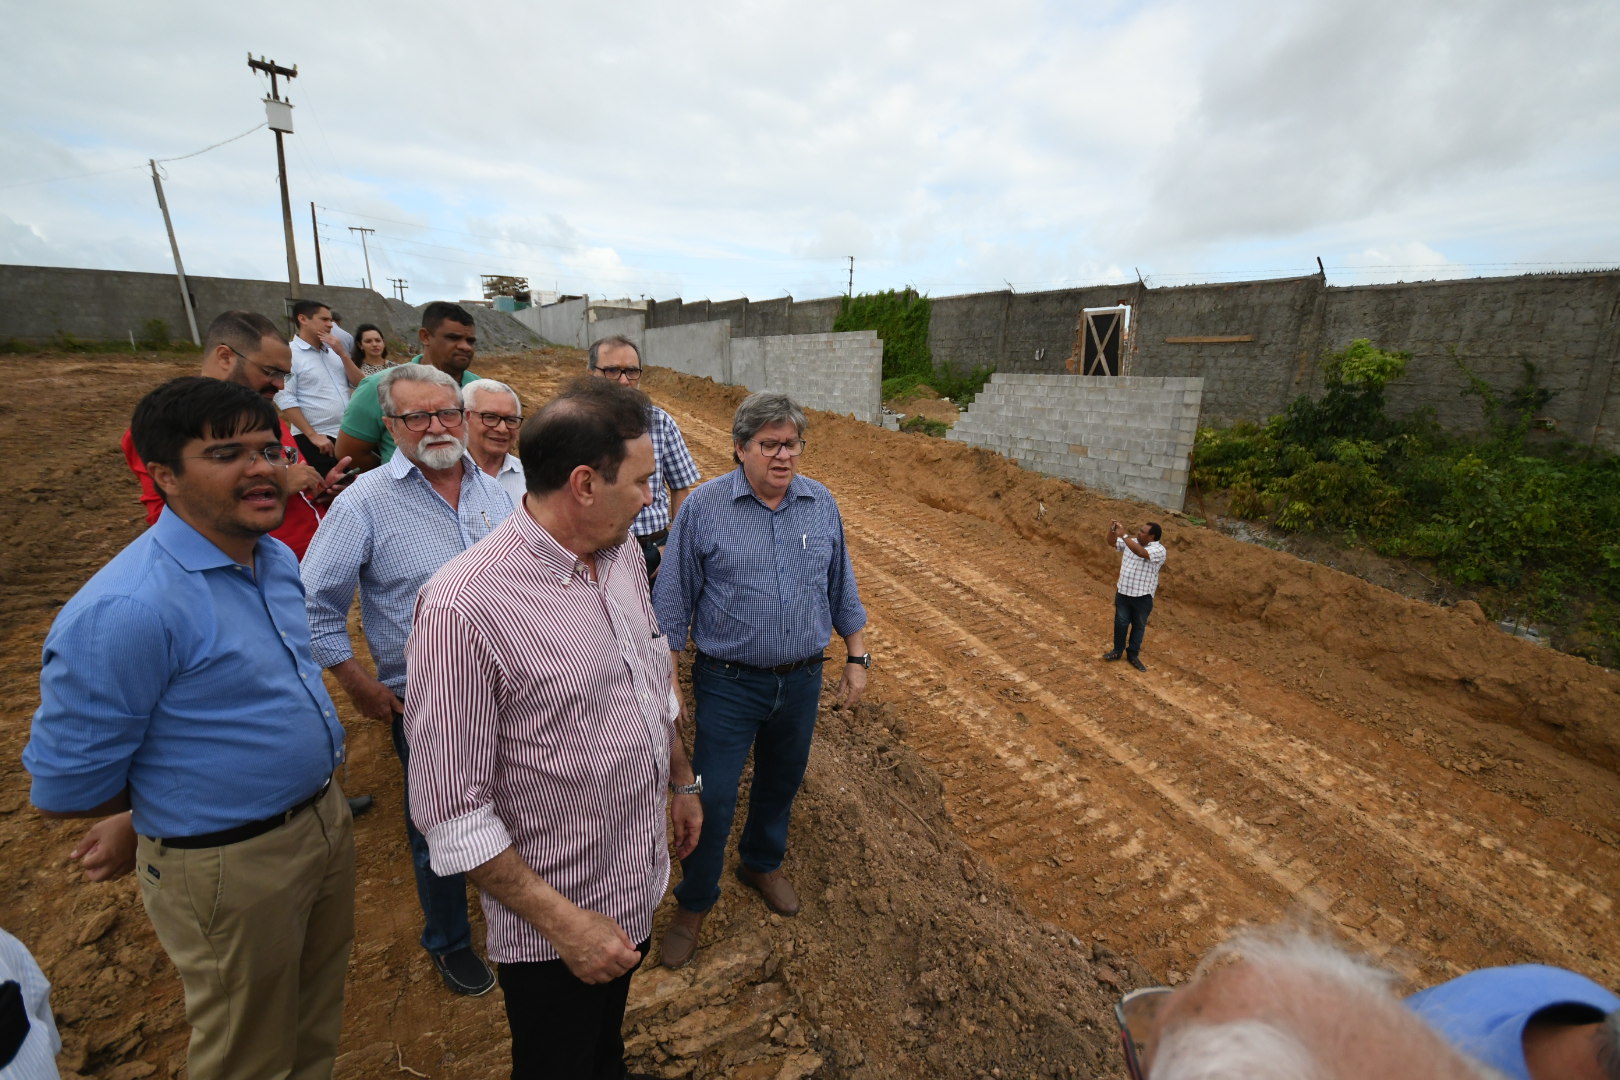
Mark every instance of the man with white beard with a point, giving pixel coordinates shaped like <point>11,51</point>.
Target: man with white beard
<point>387,534</point>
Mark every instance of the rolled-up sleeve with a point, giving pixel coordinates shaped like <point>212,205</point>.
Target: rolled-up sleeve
<point>331,573</point>
<point>452,726</point>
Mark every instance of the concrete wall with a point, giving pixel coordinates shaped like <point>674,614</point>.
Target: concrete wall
<point>1015,332</point>
<point>38,302</point>
<point>749,318</point>
<point>1248,380</point>
<point>701,349</point>
<point>841,373</point>
<point>1567,325</point>
<point>1129,436</point>
<point>630,326</point>
<point>561,324</point>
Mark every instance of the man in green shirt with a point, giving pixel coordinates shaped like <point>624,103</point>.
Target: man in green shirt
<point>448,338</point>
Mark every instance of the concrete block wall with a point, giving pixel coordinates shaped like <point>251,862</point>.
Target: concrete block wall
<point>630,326</point>
<point>701,349</point>
<point>37,302</point>
<point>562,323</point>
<point>749,318</point>
<point>841,373</point>
<point>1129,436</point>
<point>1242,380</point>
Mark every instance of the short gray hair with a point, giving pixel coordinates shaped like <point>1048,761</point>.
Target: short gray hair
<point>617,341</point>
<point>761,411</point>
<point>423,373</point>
<point>470,392</point>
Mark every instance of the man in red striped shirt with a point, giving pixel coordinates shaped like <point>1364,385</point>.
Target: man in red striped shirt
<point>540,714</point>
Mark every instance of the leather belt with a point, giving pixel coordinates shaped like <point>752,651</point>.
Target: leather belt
<point>659,537</point>
<point>239,833</point>
<point>779,669</point>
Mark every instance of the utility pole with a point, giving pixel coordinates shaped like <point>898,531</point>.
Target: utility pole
<point>399,285</point>
<point>179,271</point>
<point>315,227</point>
<point>279,115</point>
<point>850,292</point>
<point>363,232</point>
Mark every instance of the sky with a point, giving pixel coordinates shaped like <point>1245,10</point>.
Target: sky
<point>735,148</point>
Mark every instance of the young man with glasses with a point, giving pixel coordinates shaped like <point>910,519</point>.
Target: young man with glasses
<point>449,340</point>
<point>323,376</point>
<point>178,693</point>
<point>493,415</point>
<point>760,576</point>
<point>619,359</point>
<point>390,532</point>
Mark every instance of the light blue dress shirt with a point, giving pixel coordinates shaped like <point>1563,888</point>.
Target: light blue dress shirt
<point>189,679</point>
<point>755,585</point>
<point>387,534</point>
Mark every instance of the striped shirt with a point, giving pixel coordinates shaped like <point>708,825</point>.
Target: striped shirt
<point>755,585</point>
<point>1139,576</point>
<point>673,468</point>
<point>387,534</point>
<point>540,717</point>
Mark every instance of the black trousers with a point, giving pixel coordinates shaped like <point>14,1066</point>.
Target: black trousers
<point>562,1027</point>
<point>1131,613</point>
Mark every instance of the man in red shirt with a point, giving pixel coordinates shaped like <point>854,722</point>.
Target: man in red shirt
<point>245,348</point>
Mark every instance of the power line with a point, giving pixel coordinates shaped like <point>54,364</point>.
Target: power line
<point>127,168</point>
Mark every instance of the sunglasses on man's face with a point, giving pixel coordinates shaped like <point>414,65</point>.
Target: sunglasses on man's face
<point>1138,1016</point>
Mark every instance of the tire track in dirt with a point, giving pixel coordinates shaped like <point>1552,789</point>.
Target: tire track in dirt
<point>1184,810</point>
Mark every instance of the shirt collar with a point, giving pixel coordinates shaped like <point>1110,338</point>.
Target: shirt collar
<point>399,466</point>
<point>190,548</point>
<point>512,464</point>
<point>300,343</point>
<point>556,561</point>
<point>797,488</point>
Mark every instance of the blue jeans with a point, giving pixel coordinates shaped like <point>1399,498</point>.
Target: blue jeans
<point>739,709</point>
<point>1131,613</point>
<point>444,899</point>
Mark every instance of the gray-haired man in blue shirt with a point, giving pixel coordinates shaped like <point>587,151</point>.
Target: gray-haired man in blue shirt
<point>758,572</point>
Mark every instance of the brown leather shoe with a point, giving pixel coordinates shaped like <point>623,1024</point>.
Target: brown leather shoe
<point>681,938</point>
<point>774,887</point>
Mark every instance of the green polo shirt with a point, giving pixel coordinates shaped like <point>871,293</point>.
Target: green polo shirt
<point>363,418</point>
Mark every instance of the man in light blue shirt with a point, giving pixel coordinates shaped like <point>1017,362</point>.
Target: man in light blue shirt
<point>387,535</point>
<point>316,393</point>
<point>758,573</point>
<point>178,685</point>
<point>1528,1021</point>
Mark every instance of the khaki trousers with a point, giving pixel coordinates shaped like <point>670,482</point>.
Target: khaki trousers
<point>260,932</point>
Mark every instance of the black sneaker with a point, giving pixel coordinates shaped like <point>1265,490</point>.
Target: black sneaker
<point>465,973</point>
<point>1114,655</point>
<point>1137,664</point>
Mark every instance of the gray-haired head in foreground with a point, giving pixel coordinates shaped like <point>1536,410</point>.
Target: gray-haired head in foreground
<point>761,411</point>
<point>470,392</point>
<point>617,341</point>
<point>422,373</point>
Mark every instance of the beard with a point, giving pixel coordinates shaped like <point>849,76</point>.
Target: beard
<point>442,453</point>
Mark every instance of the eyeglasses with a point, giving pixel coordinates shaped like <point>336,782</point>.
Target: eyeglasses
<point>630,373</point>
<point>772,447</point>
<point>275,454</point>
<point>495,419</point>
<point>274,374</point>
<point>1138,1016</point>
<point>421,421</point>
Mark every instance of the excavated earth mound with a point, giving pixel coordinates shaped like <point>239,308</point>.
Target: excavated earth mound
<point>1006,835</point>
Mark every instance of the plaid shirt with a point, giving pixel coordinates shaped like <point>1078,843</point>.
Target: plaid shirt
<point>673,468</point>
<point>1139,576</point>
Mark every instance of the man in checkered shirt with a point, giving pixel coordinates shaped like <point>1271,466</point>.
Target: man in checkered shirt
<point>675,474</point>
<point>1140,558</point>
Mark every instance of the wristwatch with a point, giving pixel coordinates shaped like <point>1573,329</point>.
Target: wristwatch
<point>865,661</point>
<point>694,788</point>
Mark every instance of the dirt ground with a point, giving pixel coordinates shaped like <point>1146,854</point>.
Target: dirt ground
<point>1005,836</point>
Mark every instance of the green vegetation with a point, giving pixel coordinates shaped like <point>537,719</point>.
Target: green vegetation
<point>935,428</point>
<point>154,337</point>
<point>1534,530</point>
<point>900,317</point>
